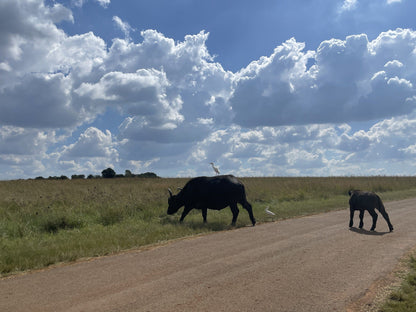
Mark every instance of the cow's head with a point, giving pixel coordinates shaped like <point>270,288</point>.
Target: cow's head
<point>174,203</point>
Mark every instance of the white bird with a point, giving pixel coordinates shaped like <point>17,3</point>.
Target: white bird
<point>269,212</point>
<point>217,171</point>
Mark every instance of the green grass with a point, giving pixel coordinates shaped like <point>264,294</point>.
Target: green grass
<point>403,299</point>
<point>43,222</point>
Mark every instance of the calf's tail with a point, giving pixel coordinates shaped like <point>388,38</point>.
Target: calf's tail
<point>384,213</point>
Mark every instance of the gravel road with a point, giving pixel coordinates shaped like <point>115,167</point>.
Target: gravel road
<point>313,263</point>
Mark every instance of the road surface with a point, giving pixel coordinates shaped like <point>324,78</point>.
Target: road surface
<point>313,263</point>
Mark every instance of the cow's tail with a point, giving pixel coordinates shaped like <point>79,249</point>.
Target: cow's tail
<point>247,205</point>
<point>380,207</point>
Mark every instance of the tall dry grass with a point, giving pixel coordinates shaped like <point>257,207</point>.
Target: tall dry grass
<point>43,222</point>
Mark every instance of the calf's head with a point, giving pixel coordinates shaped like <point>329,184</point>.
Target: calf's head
<point>174,203</point>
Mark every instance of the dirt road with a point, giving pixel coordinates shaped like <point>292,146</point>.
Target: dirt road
<point>306,264</point>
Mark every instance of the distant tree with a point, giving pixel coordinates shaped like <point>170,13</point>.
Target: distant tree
<point>147,175</point>
<point>128,174</point>
<point>108,173</point>
<point>39,178</point>
<point>78,176</point>
<point>90,176</point>
<point>62,177</point>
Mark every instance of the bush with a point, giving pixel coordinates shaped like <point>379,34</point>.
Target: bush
<point>108,173</point>
<point>77,176</point>
<point>54,223</point>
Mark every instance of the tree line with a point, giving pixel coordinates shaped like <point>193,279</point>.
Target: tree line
<point>108,173</point>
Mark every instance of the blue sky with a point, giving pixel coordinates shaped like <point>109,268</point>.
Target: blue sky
<point>261,88</point>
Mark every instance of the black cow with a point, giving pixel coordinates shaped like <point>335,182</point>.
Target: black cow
<point>211,193</point>
<point>362,201</point>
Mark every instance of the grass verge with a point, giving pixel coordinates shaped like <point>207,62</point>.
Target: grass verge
<point>403,299</point>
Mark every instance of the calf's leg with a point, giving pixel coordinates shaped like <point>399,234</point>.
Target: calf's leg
<point>351,217</point>
<point>373,213</point>
<point>361,219</point>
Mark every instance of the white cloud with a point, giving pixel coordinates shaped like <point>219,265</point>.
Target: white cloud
<point>41,64</point>
<point>20,141</point>
<point>104,3</point>
<point>349,5</point>
<point>350,80</point>
<point>124,27</point>
<point>18,31</point>
<point>177,109</point>
<point>143,93</point>
<point>92,143</point>
<point>80,3</point>
<point>39,101</point>
<point>393,1</point>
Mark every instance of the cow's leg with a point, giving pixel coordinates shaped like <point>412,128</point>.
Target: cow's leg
<point>386,217</point>
<point>235,211</point>
<point>373,213</point>
<point>185,212</point>
<point>204,214</point>
<point>361,219</point>
<point>351,217</point>
<point>249,209</point>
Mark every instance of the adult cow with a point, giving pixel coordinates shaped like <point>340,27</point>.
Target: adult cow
<point>211,193</point>
<point>369,201</point>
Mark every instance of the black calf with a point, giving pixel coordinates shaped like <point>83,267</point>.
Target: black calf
<point>369,201</point>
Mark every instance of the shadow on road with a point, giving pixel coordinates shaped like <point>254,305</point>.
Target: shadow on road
<point>365,232</point>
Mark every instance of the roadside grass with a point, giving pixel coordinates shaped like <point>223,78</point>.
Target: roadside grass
<point>403,299</point>
<point>44,222</point>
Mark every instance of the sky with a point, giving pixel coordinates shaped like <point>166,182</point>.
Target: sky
<point>260,88</point>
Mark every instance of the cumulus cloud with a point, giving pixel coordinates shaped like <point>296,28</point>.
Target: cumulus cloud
<point>40,101</point>
<point>310,150</point>
<point>41,64</point>
<point>143,93</point>
<point>18,32</point>
<point>20,141</point>
<point>92,143</point>
<point>350,80</point>
<point>176,107</point>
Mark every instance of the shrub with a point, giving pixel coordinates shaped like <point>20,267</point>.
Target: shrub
<point>108,173</point>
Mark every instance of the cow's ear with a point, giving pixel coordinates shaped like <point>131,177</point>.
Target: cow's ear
<point>170,192</point>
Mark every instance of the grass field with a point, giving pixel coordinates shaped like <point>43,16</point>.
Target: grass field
<point>43,222</point>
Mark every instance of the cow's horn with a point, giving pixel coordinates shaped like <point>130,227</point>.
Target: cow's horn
<point>170,192</point>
